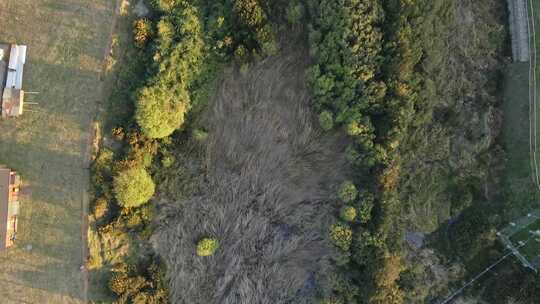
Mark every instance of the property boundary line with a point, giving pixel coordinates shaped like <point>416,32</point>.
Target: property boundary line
<point>533,120</point>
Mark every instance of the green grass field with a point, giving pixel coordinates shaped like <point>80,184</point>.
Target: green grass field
<point>520,191</point>
<point>531,249</point>
<point>49,145</point>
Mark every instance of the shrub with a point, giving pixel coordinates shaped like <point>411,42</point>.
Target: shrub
<point>142,30</point>
<point>199,135</point>
<point>348,213</point>
<point>207,247</point>
<point>101,208</point>
<point>347,192</point>
<point>133,187</point>
<point>326,120</point>
<point>341,236</point>
<point>167,161</point>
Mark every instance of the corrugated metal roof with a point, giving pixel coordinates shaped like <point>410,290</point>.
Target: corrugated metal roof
<point>13,57</point>
<point>12,71</point>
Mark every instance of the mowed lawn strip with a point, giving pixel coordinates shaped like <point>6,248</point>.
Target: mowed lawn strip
<point>66,42</point>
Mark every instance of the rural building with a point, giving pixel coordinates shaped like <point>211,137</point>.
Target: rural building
<point>519,29</point>
<point>12,60</point>
<point>10,183</point>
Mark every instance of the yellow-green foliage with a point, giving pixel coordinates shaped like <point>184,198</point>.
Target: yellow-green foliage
<point>161,106</point>
<point>142,30</point>
<point>100,208</point>
<point>347,192</point>
<point>159,112</point>
<point>348,213</point>
<point>133,187</point>
<point>341,236</point>
<point>207,247</point>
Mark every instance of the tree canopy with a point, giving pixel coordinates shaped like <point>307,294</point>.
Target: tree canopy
<point>133,187</point>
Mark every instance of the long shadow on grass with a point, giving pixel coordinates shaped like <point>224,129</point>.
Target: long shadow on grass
<point>50,218</point>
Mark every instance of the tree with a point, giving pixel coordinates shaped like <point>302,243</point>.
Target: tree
<point>207,247</point>
<point>133,187</point>
<point>295,12</point>
<point>347,192</point>
<point>160,111</point>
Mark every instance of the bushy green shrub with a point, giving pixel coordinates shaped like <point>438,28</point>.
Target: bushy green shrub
<point>348,213</point>
<point>341,236</point>
<point>326,120</point>
<point>347,192</point>
<point>133,187</point>
<point>207,247</point>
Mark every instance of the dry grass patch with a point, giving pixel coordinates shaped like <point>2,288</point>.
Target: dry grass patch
<point>267,196</point>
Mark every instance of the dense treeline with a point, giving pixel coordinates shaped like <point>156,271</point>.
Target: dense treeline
<point>365,78</point>
<point>382,76</point>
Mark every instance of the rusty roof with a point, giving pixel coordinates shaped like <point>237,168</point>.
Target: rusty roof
<point>12,102</point>
<point>4,202</point>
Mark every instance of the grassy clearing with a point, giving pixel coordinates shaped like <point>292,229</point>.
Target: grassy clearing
<point>519,188</point>
<point>536,9</point>
<point>532,247</point>
<point>49,144</point>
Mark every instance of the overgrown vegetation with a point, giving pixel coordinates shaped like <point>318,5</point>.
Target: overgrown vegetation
<point>409,84</point>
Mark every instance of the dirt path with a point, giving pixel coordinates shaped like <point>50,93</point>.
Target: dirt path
<point>93,146</point>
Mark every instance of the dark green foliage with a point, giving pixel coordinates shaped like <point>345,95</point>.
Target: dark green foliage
<point>326,120</point>
<point>141,283</point>
<point>295,12</point>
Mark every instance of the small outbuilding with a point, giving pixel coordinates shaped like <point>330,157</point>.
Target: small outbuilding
<point>12,60</point>
<point>10,183</point>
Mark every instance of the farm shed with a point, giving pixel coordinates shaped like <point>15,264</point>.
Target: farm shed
<point>10,183</point>
<point>12,60</point>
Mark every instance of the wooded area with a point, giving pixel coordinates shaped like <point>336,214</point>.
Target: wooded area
<point>411,122</point>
